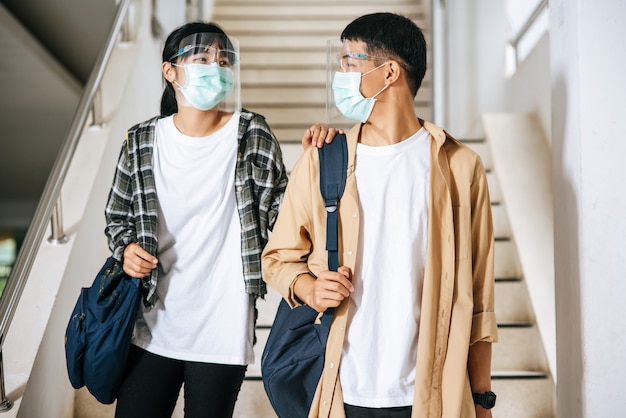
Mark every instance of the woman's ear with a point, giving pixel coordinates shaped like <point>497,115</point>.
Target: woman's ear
<point>169,72</point>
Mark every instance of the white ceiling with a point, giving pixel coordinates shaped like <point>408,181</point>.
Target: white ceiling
<point>48,49</point>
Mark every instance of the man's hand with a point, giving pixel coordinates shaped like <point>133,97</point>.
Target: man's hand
<point>317,134</point>
<point>327,291</point>
<point>137,261</point>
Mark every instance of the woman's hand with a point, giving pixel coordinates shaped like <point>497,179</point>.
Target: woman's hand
<point>317,134</point>
<point>137,261</point>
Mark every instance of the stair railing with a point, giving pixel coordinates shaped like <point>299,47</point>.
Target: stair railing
<point>49,207</point>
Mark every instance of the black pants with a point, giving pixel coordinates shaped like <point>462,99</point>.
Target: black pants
<point>152,384</point>
<point>361,412</point>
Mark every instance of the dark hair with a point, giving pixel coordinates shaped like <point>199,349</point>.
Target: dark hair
<point>169,105</point>
<point>392,36</point>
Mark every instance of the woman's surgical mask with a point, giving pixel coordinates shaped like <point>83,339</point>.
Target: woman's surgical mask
<point>206,85</point>
<point>348,97</point>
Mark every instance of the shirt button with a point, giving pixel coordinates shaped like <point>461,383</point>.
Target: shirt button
<point>355,215</point>
<point>246,269</point>
<point>239,188</point>
<point>349,252</point>
<point>332,365</point>
<point>324,403</point>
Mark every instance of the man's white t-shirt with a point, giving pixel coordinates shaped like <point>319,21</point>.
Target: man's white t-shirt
<point>203,312</point>
<point>379,353</point>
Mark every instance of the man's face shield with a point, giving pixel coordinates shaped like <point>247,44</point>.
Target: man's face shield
<point>348,57</point>
<point>211,49</point>
<point>334,118</point>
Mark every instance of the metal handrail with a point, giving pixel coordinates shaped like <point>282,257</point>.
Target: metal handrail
<point>52,191</point>
<point>515,40</point>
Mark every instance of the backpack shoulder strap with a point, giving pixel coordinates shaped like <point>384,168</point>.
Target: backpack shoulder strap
<point>333,170</point>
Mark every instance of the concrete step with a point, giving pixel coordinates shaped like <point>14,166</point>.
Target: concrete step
<point>308,10</point>
<point>281,41</point>
<point>501,227</point>
<point>506,260</point>
<point>290,76</point>
<point>281,95</point>
<point>305,115</point>
<point>269,58</point>
<point>494,189</point>
<point>272,3</point>
<point>287,25</point>
<point>520,395</point>
<point>523,395</point>
<point>519,348</point>
<point>512,301</point>
<point>252,401</point>
<point>292,149</point>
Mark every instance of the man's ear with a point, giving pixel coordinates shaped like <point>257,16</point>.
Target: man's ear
<point>393,71</point>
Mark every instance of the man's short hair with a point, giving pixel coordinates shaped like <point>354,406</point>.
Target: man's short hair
<point>392,36</point>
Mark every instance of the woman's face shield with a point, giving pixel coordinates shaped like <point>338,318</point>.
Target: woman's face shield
<point>208,49</point>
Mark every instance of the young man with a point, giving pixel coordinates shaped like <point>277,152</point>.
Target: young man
<point>414,296</point>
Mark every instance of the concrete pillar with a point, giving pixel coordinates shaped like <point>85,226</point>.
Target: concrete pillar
<point>589,183</point>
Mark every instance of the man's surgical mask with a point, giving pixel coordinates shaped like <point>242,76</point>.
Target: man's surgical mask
<point>348,97</point>
<point>207,84</point>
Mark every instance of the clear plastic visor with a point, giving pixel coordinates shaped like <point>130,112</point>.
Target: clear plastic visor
<point>212,48</point>
<point>339,57</point>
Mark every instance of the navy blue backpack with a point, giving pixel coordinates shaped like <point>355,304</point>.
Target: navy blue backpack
<point>293,358</point>
<point>98,334</point>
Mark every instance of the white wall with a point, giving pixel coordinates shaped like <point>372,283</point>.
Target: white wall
<point>476,31</point>
<point>590,227</point>
<point>529,90</point>
<point>477,34</point>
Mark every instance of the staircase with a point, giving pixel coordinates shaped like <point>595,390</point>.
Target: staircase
<point>284,78</point>
<point>283,75</point>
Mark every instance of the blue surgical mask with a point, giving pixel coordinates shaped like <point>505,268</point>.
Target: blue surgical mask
<point>207,84</point>
<point>348,97</point>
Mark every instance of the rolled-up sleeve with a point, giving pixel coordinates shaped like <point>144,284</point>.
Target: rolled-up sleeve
<point>287,252</point>
<point>484,325</point>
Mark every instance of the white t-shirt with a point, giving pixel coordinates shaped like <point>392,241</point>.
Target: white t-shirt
<point>203,312</point>
<point>380,349</point>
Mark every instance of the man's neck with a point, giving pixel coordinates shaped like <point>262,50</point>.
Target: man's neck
<point>388,128</point>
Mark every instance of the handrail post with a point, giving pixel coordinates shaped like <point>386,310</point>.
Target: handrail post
<point>125,29</point>
<point>97,118</point>
<point>5,403</point>
<point>56,225</point>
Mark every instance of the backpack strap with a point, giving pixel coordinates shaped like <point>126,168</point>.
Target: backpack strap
<point>333,170</point>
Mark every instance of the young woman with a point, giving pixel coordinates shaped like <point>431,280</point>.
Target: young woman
<point>195,193</point>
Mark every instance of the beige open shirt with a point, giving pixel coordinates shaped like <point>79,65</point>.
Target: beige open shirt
<point>458,296</point>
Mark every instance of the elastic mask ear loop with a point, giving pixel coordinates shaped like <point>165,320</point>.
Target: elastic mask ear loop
<point>186,75</point>
<point>380,91</point>
<point>374,69</point>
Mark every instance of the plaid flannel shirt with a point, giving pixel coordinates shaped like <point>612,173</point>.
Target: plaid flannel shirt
<point>260,182</point>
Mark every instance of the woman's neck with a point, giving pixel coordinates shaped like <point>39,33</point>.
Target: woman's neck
<point>198,123</point>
